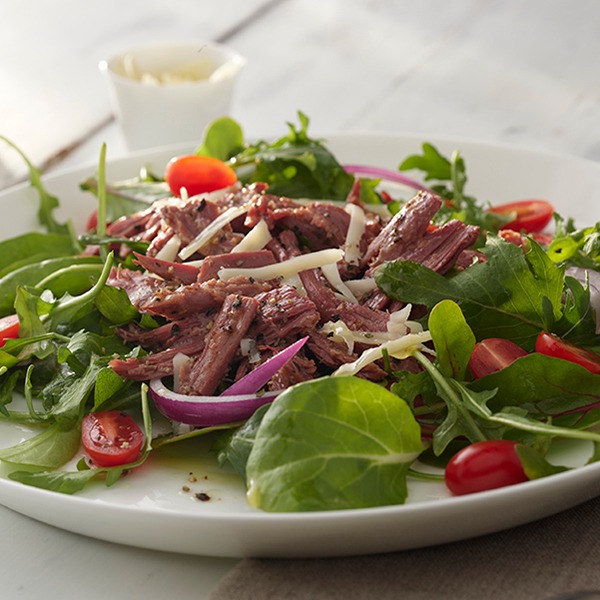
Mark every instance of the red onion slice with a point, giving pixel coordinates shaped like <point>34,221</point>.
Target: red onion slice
<point>385,175</point>
<point>254,381</point>
<point>237,403</point>
<point>205,411</point>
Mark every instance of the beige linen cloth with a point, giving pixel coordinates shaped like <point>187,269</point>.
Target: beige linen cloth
<point>543,560</point>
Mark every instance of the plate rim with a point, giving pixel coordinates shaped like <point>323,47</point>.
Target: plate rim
<point>580,476</point>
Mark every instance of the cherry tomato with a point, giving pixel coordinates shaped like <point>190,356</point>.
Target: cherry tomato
<point>484,466</point>
<point>542,239</point>
<point>531,215</point>
<point>111,438</point>
<point>92,221</point>
<point>9,328</point>
<point>198,174</point>
<point>493,354</point>
<point>512,237</point>
<point>551,345</point>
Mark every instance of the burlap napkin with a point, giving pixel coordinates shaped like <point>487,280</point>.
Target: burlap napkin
<point>542,560</point>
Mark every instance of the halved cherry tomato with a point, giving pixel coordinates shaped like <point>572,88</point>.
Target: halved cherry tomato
<point>493,354</point>
<point>111,438</point>
<point>9,328</point>
<point>198,174</point>
<point>551,345</point>
<point>531,215</point>
<point>484,466</point>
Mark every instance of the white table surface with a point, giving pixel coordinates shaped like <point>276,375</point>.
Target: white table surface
<point>507,71</point>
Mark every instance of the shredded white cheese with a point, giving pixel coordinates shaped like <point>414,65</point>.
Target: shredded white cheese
<point>399,324</point>
<point>361,287</point>
<point>333,276</point>
<point>249,349</point>
<point>179,360</point>
<point>256,239</point>
<point>213,228</point>
<point>399,348</point>
<point>170,249</point>
<point>287,268</point>
<point>295,282</point>
<point>356,229</point>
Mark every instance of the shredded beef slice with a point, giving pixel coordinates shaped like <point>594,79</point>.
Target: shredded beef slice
<point>157,365</point>
<point>203,375</point>
<point>283,313</point>
<point>188,219</point>
<point>140,287</point>
<point>168,270</point>
<point>188,300</point>
<point>299,369</point>
<point>212,264</point>
<point>407,226</point>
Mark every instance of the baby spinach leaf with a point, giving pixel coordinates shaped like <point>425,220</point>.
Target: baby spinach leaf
<point>332,443</point>
<point>33,274</point>
<point>239,443</point>
<point>114,304</point>
<point>223,139</point>
<point>31,248</point>
<point>452,338</point>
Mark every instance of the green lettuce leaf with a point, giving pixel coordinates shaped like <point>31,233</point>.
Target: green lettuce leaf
<point>510,295</point>
<point>331,444</point>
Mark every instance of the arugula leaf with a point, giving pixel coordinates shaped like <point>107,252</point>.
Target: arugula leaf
<point>542,384</point>
<point>576,247</point>
<point>534,464</point>
<point>50,449</point>
<point>332,443</point>
<point>509,296</point>
<point>434,165</point>
<point>129,195</point>
<point>70,482</point>
<point>295,165</point>
<point>69,409</point>
<point>450,176</point>
<point>48,203</point>
<point>578,322</point>
<point>7,388</point>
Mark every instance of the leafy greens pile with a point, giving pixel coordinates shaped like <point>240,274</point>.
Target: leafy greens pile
<point>332,443</point>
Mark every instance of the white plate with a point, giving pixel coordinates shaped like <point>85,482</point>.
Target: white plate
<point>149,508</point>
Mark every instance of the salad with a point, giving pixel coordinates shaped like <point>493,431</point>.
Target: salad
<point>330,331</point>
